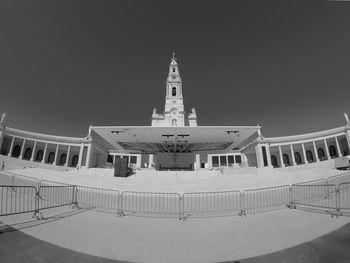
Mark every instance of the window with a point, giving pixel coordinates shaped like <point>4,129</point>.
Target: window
<point>174,91</point>
<point>230,160</point>
<point>109,158</point>
<point>223,161</point>
<point>215,161</point>
<point>238,159</point>
<point>264,155</point>
<point>274,161</point>
<point>133,159</point>
<point>173,69</point>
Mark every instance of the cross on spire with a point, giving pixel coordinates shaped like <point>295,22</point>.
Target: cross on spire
<point>174,56</point>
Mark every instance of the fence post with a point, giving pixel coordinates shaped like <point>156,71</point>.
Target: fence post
<point>36,206</point>
<point>241,204</point>
<point>337,200</point>
<point>291,204</point>
<point>120,204</point>
<point>75,197</point>
<point>181,207</point>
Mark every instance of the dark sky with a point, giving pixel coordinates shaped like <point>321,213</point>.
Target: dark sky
<point>67,64</point>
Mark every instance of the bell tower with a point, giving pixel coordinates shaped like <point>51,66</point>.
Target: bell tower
<point>174,107</point>
<point>174,113</point>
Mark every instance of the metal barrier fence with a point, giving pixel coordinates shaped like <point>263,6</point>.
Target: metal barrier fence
<point>344,197</point>
<point>139,203</point>
<point>265,199</point>
<point>338,179</point>
<point>17,199</point>
<point>211,204</point>
<point>98,197</point>
<point>316,194</point>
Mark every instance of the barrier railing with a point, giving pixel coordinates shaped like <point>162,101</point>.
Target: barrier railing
<point>55,196</point>
<point>17,199</point>
<point>139,203</point>
<point>201,204</point>
<point>265,199</point>
<point>344,198</point>
<point>338,179</point>
<point>316,194</point>
<point>98,197</point>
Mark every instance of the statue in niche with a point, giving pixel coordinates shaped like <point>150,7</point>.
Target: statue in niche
<point>2,122</point>
<point>346,118</point>
<point>174,122</point>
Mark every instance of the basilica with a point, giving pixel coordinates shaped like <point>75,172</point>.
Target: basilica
<point>173,141</point>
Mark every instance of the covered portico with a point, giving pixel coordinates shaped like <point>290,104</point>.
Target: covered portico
<point>173,148</point>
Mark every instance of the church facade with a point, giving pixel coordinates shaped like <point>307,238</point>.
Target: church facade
<point>173,141</point>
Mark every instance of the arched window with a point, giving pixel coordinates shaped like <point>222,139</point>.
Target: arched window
<point>286,159</point>
<point>174,91</point>
<point>309,156</point>
<point>51,157</point>
<point>39,155</point>
<point>16,151</point>
<point>173,69</point>
<point>297,158</point>
<point>274,161</point>
<point>174,122</point>
<point>332,151</point>
<point>321,155</point>
<point>63,158</point>
<point>75,160</point>
<point>27,153</point>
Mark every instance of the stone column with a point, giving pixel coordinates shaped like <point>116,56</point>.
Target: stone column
<point>150,159</point>
<point>293,158</point>
<point>33,152</point>
<point>81,150</point>
<point>259,156</point>
<point>327,150</point>
<point>338,147</point>
<point>1,137</point>
<point>68,154</point>
<point>268,157</point>
<point>138,161</point>
<point>198,161</point>
<point>22,149</point>
<point>88,155</point>
<point>281,156</point>
<point>44,155</point>
<point>56,153</point>
<point>304,153</point>
<point>347,133</point>
<point>315,151</point>
<point>11,147</point>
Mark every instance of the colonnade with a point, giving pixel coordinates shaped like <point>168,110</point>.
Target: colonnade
<point>46,152</point>
<point>306,151</point>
